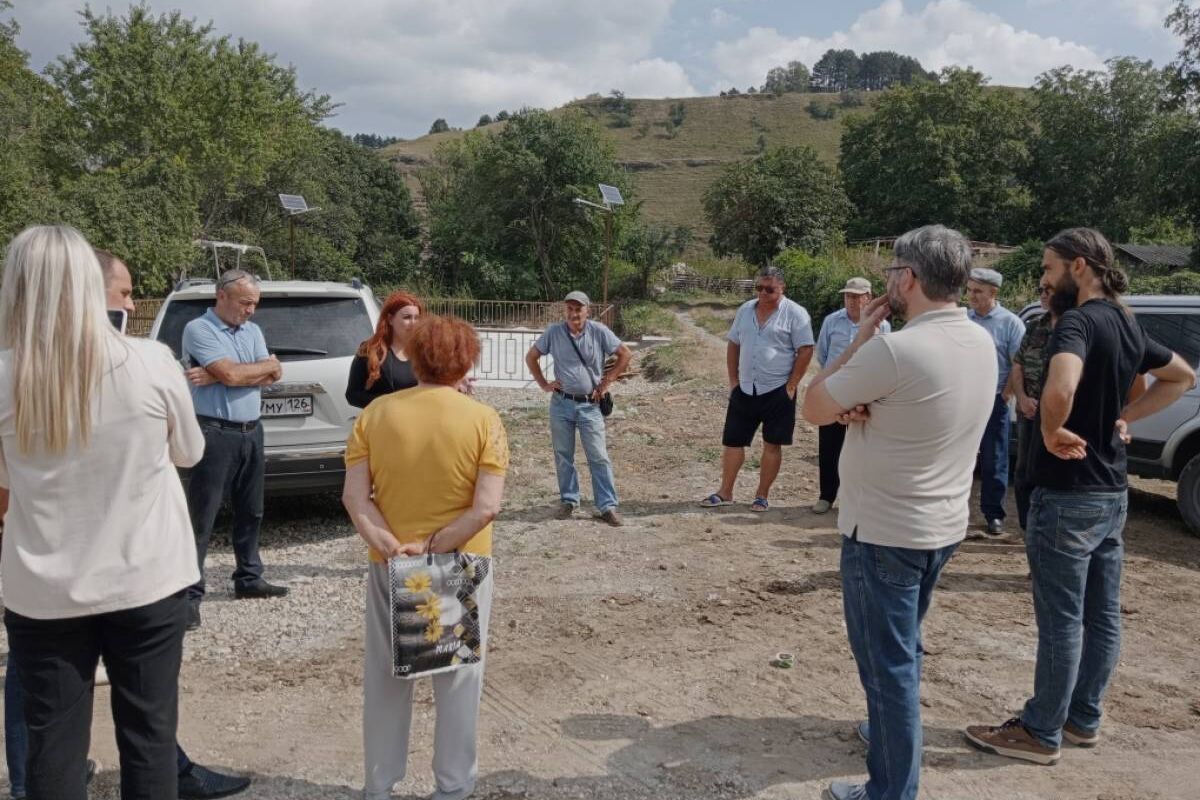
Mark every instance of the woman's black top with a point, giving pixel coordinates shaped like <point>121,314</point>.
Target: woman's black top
<point>394,375</point>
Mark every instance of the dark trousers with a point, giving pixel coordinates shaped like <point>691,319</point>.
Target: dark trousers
<point>1029,432</point>
<point>56,659</point>
<point>993,462</point>
<point>16,734</point>
<point>232,465</point>
<point>829,450</point>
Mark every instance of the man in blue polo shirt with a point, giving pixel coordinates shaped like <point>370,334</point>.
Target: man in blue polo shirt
<point>770,346</point>
<point>1006,330</point>
<point>231,365</point>
<point>837,332</point>
<point>579,347</point>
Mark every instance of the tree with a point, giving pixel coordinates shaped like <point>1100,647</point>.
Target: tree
<point>652,248</point>
<point>792,78</point>
<point>787,197</point>
<point>1181,141</point>
<point>439,126</point>
<point>883,69</point>
<point>836,71</point>
<point>1184,22</point>
<point>1097,158</point>
<point>503,220</point>
<point>927,154</point>
<point>484,121</point>
<point>502,115</point>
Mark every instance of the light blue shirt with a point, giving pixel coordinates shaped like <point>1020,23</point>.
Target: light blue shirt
<point>1006,330</point>
<point>768,352</point>
<point>837,332</point>
<point>596,342</point>
<point>207,340</point>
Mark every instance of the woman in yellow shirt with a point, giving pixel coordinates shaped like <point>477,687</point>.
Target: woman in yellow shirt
<point>424,470</point>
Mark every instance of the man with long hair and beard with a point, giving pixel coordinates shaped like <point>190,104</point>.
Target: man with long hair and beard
<point>1080,496</point>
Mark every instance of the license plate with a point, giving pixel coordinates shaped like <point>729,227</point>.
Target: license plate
<point>297,406</point>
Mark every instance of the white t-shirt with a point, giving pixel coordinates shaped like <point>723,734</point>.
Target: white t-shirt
<point>906,472</point>
<point>103,528</point>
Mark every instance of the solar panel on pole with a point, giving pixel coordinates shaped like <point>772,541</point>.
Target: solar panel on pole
<point>293,203</point>
<point>611,195</point>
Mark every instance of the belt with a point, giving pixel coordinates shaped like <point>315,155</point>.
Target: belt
<point>244,427</point>
<point>578,398</point>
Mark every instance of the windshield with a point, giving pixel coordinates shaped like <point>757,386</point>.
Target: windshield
<point>296,328</point>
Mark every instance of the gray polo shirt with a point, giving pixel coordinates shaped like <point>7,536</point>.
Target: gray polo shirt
<point>768,351</point>
<point>595,343</point>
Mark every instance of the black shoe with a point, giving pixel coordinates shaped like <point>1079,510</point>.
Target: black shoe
<point>193,620</point>
<point>258,590</point>
<point>995,527</point>
<point>202,782</point>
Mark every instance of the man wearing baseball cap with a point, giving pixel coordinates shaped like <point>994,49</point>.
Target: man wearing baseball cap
<point>837,332</point>
<point>579,347</point>
<point>1006,330</point>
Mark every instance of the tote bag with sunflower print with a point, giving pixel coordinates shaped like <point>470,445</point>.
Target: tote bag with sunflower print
<point>435,619</point>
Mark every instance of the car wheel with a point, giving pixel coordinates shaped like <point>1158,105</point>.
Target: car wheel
<point>1188,494</point>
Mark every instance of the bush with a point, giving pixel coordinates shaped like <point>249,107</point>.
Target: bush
<point>1024,263</point>
<point>646,319</point>
<point>1182,282</point>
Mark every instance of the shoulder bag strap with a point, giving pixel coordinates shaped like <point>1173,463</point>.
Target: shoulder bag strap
<point>575,347</point>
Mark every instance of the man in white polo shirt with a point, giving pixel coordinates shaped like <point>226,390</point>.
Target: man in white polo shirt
<point>906,472</point>
<point>770,346</point>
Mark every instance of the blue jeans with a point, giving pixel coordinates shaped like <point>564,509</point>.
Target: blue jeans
<point>567,416</point>
<point>16,735</point>
<point>885,594</point>
<point>1075,552</point>
<point>993,461</point>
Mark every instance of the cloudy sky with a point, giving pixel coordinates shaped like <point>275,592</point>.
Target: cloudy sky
<point>396,65</point>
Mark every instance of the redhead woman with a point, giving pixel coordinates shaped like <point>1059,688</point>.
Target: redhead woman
<point>424,469</point>
<point>98,548</point>
<point>381,365</point>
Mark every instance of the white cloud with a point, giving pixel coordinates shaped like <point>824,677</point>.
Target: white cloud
<point>720,18</point>
<point>1146,14</point>
<point>943,33</point>
<point>395,65</point>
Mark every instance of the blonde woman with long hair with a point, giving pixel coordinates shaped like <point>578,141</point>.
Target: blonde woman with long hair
<point>98,547</point>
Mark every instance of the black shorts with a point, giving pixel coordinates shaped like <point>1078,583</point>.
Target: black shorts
<point>775,411</point>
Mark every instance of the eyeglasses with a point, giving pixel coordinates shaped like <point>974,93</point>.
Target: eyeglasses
<point>766,289</point>
<point>896,267</point>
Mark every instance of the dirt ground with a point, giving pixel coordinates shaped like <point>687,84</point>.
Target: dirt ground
<point>635,662</point>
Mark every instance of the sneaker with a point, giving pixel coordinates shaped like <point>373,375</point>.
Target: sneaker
<point>193,620</point>
<point>1079,737</point>
<point>200,782</point>
<point>995,527</point>
<point>258,590</point>
<point>612,517</point>
<point>840,790</point>
<point>822,507</point>
<point>565,511</point>
<point>863,729</point>
<point>1011,740</point>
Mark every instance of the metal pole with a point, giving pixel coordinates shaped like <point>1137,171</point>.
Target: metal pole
<point>292,237</point>
<point>607,250</point>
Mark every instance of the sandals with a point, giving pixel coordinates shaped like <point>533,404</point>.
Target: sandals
<point>760,504</point>
<point>714,500</point>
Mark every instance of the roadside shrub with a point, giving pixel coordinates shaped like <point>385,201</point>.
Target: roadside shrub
<point>1182,282</point>
<point>816,281</point>
<point>646,319</point>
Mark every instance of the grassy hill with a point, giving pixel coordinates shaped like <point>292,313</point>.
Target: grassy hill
<point>670,173</point>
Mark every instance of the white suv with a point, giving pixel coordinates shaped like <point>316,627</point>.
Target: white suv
<point>314,328</point>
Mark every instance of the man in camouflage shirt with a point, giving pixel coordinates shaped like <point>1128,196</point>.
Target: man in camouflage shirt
<point>1025,382</point>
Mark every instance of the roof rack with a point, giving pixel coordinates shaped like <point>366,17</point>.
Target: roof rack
<point>216,248</point>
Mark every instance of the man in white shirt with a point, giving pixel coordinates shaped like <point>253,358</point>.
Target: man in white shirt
<point>906,471</point>
<point>770,347</point>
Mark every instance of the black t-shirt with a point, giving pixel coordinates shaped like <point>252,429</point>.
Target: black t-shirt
<point>1114,350</point>
<point>394,375</point>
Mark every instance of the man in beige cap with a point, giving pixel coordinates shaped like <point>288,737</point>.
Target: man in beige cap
<point>837,332</point>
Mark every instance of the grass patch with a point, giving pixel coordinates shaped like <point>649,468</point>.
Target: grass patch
<point>715,323</point>
<point>693,299</point>
<point>708,455</point>
<point>647,319</point>
<point>666,362</point>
